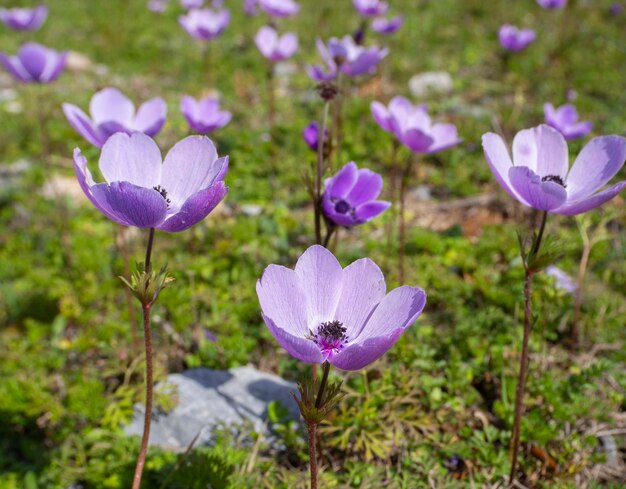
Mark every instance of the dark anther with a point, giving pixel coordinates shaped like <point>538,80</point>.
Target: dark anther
<point>555,179</point>
<point>163,193</point>
<point>332,331</point>
<point>327,90</point>
<point>342,207</point>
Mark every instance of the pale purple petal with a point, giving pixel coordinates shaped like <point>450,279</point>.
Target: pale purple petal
<point>367,187</point>
<point>196,208</point>
<point>85,181</point>
<point>552,154</point>
<point>320,275</point>
<point>500,162</point>
<point>359,355</point>
<point>381,116</point>
<point>55,63</point>
<point>135,159</point>
<point>417,140</point>
<point>369,210</point>
<point>596,200</point>
<point>151,116</point>
<point>444,137</point>
<point>596,164</point>
<point>33,57</point>
<point>109,104</point>
<point>578,130</point>
<point>83,125</point>
<point>544,196</point>
<point>131,205</point>
<point>341,184</point>
<point>300,348</point>
<point>187,166</point>
<point>14,66</point>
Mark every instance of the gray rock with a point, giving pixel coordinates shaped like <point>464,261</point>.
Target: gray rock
<point>211,398</point>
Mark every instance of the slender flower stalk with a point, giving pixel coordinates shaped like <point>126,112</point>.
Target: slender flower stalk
<point>404,182</point>
<point>319,173</point>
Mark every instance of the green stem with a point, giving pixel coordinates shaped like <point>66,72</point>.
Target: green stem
<point>320,392</point>
<point>147,264</point>
<point>319,173</point>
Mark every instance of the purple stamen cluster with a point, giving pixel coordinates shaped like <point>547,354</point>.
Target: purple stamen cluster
<point>330,337</point>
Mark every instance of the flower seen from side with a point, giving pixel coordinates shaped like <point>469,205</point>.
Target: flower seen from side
<point>34,63</point>
<point>204,116</point>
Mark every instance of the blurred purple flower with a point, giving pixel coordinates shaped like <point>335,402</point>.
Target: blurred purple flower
<point>24,19</point>
<point>275,47</point>
<point>311,135</point>
<point>112,112</point>
<point>190,4</point>
<point>539,175</point>
<point>251,7</point>
<point>204,116</point>
<point>514,39</point>
<point>350,196</point>
<point>143,191</point>
<point>279,8</point>
<point>205,24</point>
<point>345,56</point>
<point>563,280</point>
<point>565,120</point>
<point>552,4</point>
<point>320,312</point>
<point>383,25</point>
<point>370,8</point>
<point>413,127</point>
<point>616,8</point>
<point>157,6</point>
<point>34,63</point>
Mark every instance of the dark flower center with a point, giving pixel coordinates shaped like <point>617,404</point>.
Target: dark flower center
<point>330,337</point>
<point>555,179</point>
<point>342,207</point>
<point>163,193</point>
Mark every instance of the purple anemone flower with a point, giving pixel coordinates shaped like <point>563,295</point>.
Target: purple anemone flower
<point>350,196</point>
<point>346,56</point>
<point>205,24</point>
<point>514,39</point>
<point>34,63</point>
<point>204,116</point>
<point>320,312</point>
<point>112,112</point>
<point>157,6</point>
<point>279,8</point>
<point>563,281</point>
<point>552,4</point>
<point>144,191</point>
<point>24,19</point>
<point>311,135</point>
<point>370,8</point>
<point>565,120</point>
<point>275,47</point>
<point>383,25</point>
<point>413,127</point>
<point>539,174</point>
<point>251,7</point>
<point>190,4</point>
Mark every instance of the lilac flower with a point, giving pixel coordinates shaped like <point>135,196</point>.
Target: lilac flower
<point>279,8</point>
<point>250,7</point>
<point>204,116</point>
<point>346,56</point>
<point>311,135</point>
<point>616,8</point>
<point>275,47</point>
<point>563,280</point>
<point>514,39</point>
<point>565,120</point>
<point>370,8</point>
<point>413,127</point>
<point>350,196</point>
<point>383,25</point>
<point>24,19</point>
<point>112,112</point>
<point>320,312</point>
<point>190,4</point>
<point>552,4</point>
<point>142,190</point>
<point>157,6</point>
<point>205,24</point>
<point>538,176</point>
<point>34,63</point>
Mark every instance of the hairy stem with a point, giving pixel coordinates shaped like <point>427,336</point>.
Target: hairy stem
<point>319,173</point>
<point>312,428</point>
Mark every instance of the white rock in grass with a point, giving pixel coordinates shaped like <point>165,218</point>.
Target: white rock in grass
<point>430,82</point>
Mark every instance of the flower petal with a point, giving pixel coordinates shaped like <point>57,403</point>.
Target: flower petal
<point>130,204</point>
<point>381,116</point>
<point>596,164</point>
<point>109,104</point>
<point>189,165</point>
<point>13,66</point>
<point>543,150</point>
<point>83,125</point>
<point>300,348</point>
<point>369,210</point>
<point>135,159</point>
<point>283,300</point>
<point>86,182</point>
<point>367,187</point>
<point>151,116</point>
<point>195,208</point>
<point>320,277</point>
<point>33,57</point>
<point>444,137</point>
<point>340,185</point>
<point>592,202</point>
<point>500,162</point>
<point>363,289</point>
<point>543,196</point>
<point>359,355</point>
<point>416,140</point>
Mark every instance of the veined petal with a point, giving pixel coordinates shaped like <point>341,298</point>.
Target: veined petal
<point>86,182</point>
<point>298,347</point>
<point>359,355</point>
<point>363,289</point>
<point>444,137</point>
<point>83,125</point>
<point>544,196</point>
<point>320,276</point>
<point>367,187</point>
<point>369,210</point>
<point>500,162</point>
<point>596,164</point>
<point>340,185</point>
<point>151,116</point>
<point>14,66</point>
<point>135,159</point>
<point>381,116</point>
<point>195,208</point>
<point>416,140</point>
<point>595,200</point>
<point>283,300</point>
<point>110,104</point>
<point>187,166</point>
<point>543,150</point>
<point>130,204</point>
